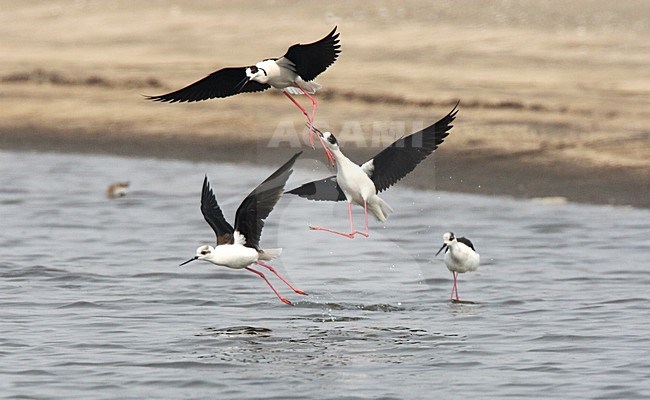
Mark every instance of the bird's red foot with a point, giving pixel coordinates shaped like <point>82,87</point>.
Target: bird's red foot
<point>285,301</point>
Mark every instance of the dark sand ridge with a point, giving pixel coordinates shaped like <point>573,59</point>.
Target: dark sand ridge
<point>555,99</point>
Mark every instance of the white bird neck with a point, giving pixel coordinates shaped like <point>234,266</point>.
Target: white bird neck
<point>340,159</point>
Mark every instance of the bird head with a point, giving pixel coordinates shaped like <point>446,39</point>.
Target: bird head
<point>257,73</point>
<point>447,239</point>
<point>328,139</point>
<point>202,253</point>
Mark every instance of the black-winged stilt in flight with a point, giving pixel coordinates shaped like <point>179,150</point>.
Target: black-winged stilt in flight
<point>292,73</point>
<point>460,257</point>
<point>238,247</point>
<point>360,184</point>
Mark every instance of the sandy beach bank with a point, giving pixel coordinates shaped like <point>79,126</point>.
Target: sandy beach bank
<point>490,174</point>
<point>555,100</point>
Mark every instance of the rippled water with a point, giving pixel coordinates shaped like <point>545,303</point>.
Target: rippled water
<point>94,305</point>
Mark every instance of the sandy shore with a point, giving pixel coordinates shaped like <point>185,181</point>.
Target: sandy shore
<point>555,99</point>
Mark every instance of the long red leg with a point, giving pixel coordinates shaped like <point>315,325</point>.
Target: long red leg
<point>348,235</point>
<point>261,275</point>
<point>352,230</point>
<point>350,218</point>
<point>453,286</point>
<point>297,104</point>
<point>365,212</point>
<point>311,117</point>
<point>270,268</point>
<point>314,104</point>
<point>310,121</point>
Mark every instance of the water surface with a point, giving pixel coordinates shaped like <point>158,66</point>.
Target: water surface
<point>94,305</point>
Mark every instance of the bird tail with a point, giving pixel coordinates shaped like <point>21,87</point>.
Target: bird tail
<point>269,254</point>
<point>310,87</point>
<point>379,209</point>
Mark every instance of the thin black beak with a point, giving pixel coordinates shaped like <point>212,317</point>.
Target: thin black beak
<point>444,246</point>
<point>190,260</point>
<point>315,130</point>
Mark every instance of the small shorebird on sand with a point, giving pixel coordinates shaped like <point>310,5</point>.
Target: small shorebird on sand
<point>117,189</point>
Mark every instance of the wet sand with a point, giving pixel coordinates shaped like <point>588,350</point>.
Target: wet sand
<point>555,99</point>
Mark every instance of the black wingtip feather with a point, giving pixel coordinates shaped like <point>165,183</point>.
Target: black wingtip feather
<point>250,216</point>
<point>322,190</point>
<point>400,158</point>
<point>312,59</point>
<point>219,84</point>
<point>213,215</point>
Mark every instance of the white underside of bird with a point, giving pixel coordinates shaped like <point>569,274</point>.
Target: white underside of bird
<point>280,74</point>
<point>460,258</point>
<point>236,255</point>
<point>357,186</point>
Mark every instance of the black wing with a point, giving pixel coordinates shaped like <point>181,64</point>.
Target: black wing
<point>223,83</point>
<point>312,59</point>
<point>214,216</point>
<point>401,157</point>
<point>466,242</point>
<point>323,190</point>
<point>250,216</point>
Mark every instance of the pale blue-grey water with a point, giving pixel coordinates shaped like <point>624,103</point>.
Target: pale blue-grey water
<point>93,303</point>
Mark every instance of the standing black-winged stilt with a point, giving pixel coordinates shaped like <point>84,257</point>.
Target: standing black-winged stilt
<point>460,257</point>
<point>239,247</point>
<point>360,184</point>
<point>292,73</point>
